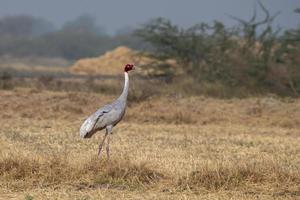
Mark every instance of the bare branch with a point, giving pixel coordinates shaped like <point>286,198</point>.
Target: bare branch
<point>254,15</point>
<point>267,18</point>
<point>238,19</point>
<point>274,16</point>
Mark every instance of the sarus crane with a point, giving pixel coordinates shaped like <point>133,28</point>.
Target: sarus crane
<point>107,116</point>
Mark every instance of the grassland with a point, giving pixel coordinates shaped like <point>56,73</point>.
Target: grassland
<point>167,147</point>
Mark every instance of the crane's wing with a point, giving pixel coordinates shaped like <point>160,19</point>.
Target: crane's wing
<point>88,128</point>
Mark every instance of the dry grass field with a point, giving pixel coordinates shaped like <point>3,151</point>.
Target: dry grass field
<point>166,148</point>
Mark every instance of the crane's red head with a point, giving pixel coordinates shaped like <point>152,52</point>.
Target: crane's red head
<point>128,67</point>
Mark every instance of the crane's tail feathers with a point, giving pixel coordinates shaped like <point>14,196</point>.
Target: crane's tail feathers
<point>87,129</point>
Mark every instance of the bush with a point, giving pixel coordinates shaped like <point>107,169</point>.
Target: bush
<point>250,55</point>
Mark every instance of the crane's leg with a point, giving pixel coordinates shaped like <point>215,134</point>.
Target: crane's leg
<point>101,144</point>
<point>109,132</point>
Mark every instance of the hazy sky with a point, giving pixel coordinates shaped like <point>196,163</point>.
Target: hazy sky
<point>113,14</point>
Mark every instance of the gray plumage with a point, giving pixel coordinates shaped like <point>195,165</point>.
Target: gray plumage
<point>107,117</point>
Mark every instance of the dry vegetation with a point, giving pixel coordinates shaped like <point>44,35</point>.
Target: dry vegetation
<point>168,147</point>
<point>112,62</point>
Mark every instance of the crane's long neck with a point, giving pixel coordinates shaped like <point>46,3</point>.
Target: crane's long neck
<point>126,87</point>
